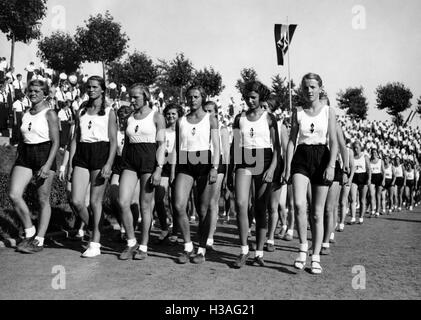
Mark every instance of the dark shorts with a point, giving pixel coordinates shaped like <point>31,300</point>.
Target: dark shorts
<point>222,167</point>
<point>117,165</point>
<point>91,156</point>
<point>34,156</point>
<point>140,158</point>
<point>387,183</point>
<point>278,171</point>
<point>311,161</point>
<point>399,181</point>
<point>257,161</point>
<point>410,183</point>
<point>195,164</point>
<point>338,172</point>
<point>377,179</point>
<point>360,178</point>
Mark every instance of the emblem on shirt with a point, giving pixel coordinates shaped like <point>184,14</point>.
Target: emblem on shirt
<point>29,126</point>
<point>122,141</point>
<point>251,132</point>
<point>90,125</point>
<point>312,128</point>
<point>136,129</point>
<point>193,131</point>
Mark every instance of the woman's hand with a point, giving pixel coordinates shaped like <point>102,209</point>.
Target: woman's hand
<point>329,174</point>
<point>213,175</point>
<point>106,171</point>
<point>156,178</point>
<point>268,175</point>
<point>43,172</point>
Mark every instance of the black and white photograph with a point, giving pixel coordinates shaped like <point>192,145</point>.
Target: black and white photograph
<point>210,154</point>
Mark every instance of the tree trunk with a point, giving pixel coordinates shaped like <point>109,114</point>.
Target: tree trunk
<point>12,54</point>
<point>104,71</point>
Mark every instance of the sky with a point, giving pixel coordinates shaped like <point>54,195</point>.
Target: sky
<point>348,43</point>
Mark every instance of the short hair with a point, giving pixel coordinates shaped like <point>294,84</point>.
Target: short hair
<point>18,75</point>
<point>144,89</point>
<point>200,89</point>
<point>257,87</point>
<point>211,103</point>
<point>40,83</point>
<point>170,106</point>
<point>312,76</point>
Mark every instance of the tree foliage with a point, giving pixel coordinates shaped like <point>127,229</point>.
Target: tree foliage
<point>395,98</point>
<point>281,91</point>
<point>136,68</point>
<point>20,20</point>
<point>354,102</point>
<point>175,76</point>
<point>246,74</point>
<point>210,80</point>
<point>60,52</point>
<point>101,40</point>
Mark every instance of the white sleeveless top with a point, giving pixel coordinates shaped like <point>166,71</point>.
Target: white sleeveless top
<point>94,128</point>
<point>120,142</point>
<point>376,167</point>
<point>34,128</point>
<point>169,140</point>
<point>388,174</point>
<point>141,131</point>
<point>255,134</point>
<point>410,175</point>
<point>398,171</point>
<point>360,165</point>
<point>313,129</point>
<point>195,137</point>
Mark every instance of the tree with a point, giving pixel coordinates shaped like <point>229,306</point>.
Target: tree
<point>210,80</point>
<point>281,91</point>
<point>298,99</point>
<point>60,52</point>
<point>176,75</point>
<point>101,40</point>
<point>136,68</point>
<point>354,102</point>
<point>20,20</point>
<point>247,75</point>
<point>394,97</point>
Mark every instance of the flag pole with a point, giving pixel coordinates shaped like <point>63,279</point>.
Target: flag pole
<point>289,75</point>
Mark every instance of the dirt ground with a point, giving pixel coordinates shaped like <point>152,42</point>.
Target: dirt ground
<point>384,254</point>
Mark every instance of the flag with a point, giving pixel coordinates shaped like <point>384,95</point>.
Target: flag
<point>283,39</point>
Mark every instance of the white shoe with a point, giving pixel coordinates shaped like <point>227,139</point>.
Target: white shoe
<point>92,251</point>
<point>411,208</point>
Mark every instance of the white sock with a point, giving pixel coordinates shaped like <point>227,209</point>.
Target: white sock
<point>325,245</point>
<point>188,246</point>
<point>131,242</point>
<point>201,251</point>
<point>209,242</point>
<point>361,219</point>
<point>80,232</point>
<point>143,248</point>
<point>352,219</point>
<point>122,230</point>
<point>304,247</point>
<point>332,236</point>
<point>284,227</point>
<point>270,241</point>
<point>30,232</point>
<point>290,232</point>
<point>259,254</point>
<point>40,241</point>
<point>94,245</point>
<point>341,225</point>
<point>244,249</point>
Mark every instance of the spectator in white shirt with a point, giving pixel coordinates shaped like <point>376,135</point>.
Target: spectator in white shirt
<point>18,84</point>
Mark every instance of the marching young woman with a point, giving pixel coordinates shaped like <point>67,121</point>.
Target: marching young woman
<point>387,191</point>
<point>410,183</point>
<point>142,160</point>
<point>195,133</point>
<point>346,188</point>
<point>92,154</point>
<point>313,162</point>
<point>399,183</point>
<point>123,113</point>
<point>360,182</point>
<point>332,199</point>
<point>254,154</point>
<point>163,192</point>
<point>377,182</point>
<point>37,149</point>
<point>221,180</point>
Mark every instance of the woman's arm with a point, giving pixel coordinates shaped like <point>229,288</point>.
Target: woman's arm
<point>112,137</point>
<point>216,148</point>
<point>52,120</point>
<point>291,144</point>
<point>274,136</point>
<point>160,152</point>
<point>225,147</point>
<point>333,145</point>
<point>367,165</point>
